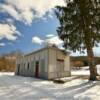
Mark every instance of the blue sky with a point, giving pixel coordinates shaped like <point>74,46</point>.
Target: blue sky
<point>38,22</point>
<point>39,28</point>
<point>24,42</point>
<point>27,25</point>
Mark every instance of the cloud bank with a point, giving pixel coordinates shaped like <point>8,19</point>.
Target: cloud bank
<point>24,11</point>
<point>37,40</point>
<point>8,32</point>
<point>27,10</point>
<point>48,41</point>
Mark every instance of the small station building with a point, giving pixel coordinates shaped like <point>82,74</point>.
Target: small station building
<point>48,63</point>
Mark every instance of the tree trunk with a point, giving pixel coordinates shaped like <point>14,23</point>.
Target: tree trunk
<point>92,66</point>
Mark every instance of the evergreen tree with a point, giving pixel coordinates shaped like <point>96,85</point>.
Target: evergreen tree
<point>80,28</point>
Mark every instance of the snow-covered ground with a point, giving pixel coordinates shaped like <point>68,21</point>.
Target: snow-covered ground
<point>22,88</point>
<point>84,71</point>
<point>26,88</point>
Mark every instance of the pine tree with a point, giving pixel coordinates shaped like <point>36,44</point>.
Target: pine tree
<point>80,28</point>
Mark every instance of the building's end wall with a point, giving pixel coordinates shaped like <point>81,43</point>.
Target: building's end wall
<point>18,65</point>
<point>53,69</point>
<point>67,64</point>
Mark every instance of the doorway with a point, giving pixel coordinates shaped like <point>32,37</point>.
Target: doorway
<point>60,67</point>
<point>18,69</point>
<point>37,69</point>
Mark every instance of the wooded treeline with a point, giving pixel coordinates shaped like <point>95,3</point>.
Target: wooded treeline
<point>81,61</point>
<point>8,61</point>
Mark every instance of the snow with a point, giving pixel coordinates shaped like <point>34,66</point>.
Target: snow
<point>80,72</point>
<point>26,88</point>
<point>84,71</point>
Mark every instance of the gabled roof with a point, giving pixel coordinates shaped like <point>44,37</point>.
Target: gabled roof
<point>47,47</point>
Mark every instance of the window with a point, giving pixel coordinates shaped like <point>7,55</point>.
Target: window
<point>32,63</point>
<point>24,65</point>
<point>18,70</point>
<point>37,69</point>
<point>28,66</point>
<point>60,65</point>
<point>18,65</point>
<point>42,65</point>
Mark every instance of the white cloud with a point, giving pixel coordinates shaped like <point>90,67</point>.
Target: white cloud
<point>24,8</point>
<point>54,40</point>
<point>37,40</point>
<point>27,17</point>
<point>25,11</point>
<point>6,8</point>
<point>48,41</point>
<point>8,31</point>
<point>10,21</point>
<point>2,44</point>
<point>49,35</point>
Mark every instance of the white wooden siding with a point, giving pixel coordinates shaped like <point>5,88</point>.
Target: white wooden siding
<point>67,63</point>
<point>52,60</point>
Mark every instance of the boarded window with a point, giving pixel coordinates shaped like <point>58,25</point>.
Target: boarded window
<point>26,66</point>
<point>42,64</point>
<point>32,66</point>
<point>32,63</point>
<point>60,65</point>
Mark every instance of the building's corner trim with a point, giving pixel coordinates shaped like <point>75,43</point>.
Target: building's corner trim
<point>48,63</point>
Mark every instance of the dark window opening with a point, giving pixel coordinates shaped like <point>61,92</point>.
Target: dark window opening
<point>18,71</point>
<point>28,66</point>
<point>37,69</point>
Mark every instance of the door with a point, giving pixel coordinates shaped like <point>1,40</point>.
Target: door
<point>37,69</point>
<point>60,67</point>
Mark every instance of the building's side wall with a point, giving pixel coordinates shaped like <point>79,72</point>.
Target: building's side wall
<point>49,65</point>
<point>28,64</point>
<point>53,70</point>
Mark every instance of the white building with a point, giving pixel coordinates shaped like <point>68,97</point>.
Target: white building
<point>47,63</point>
